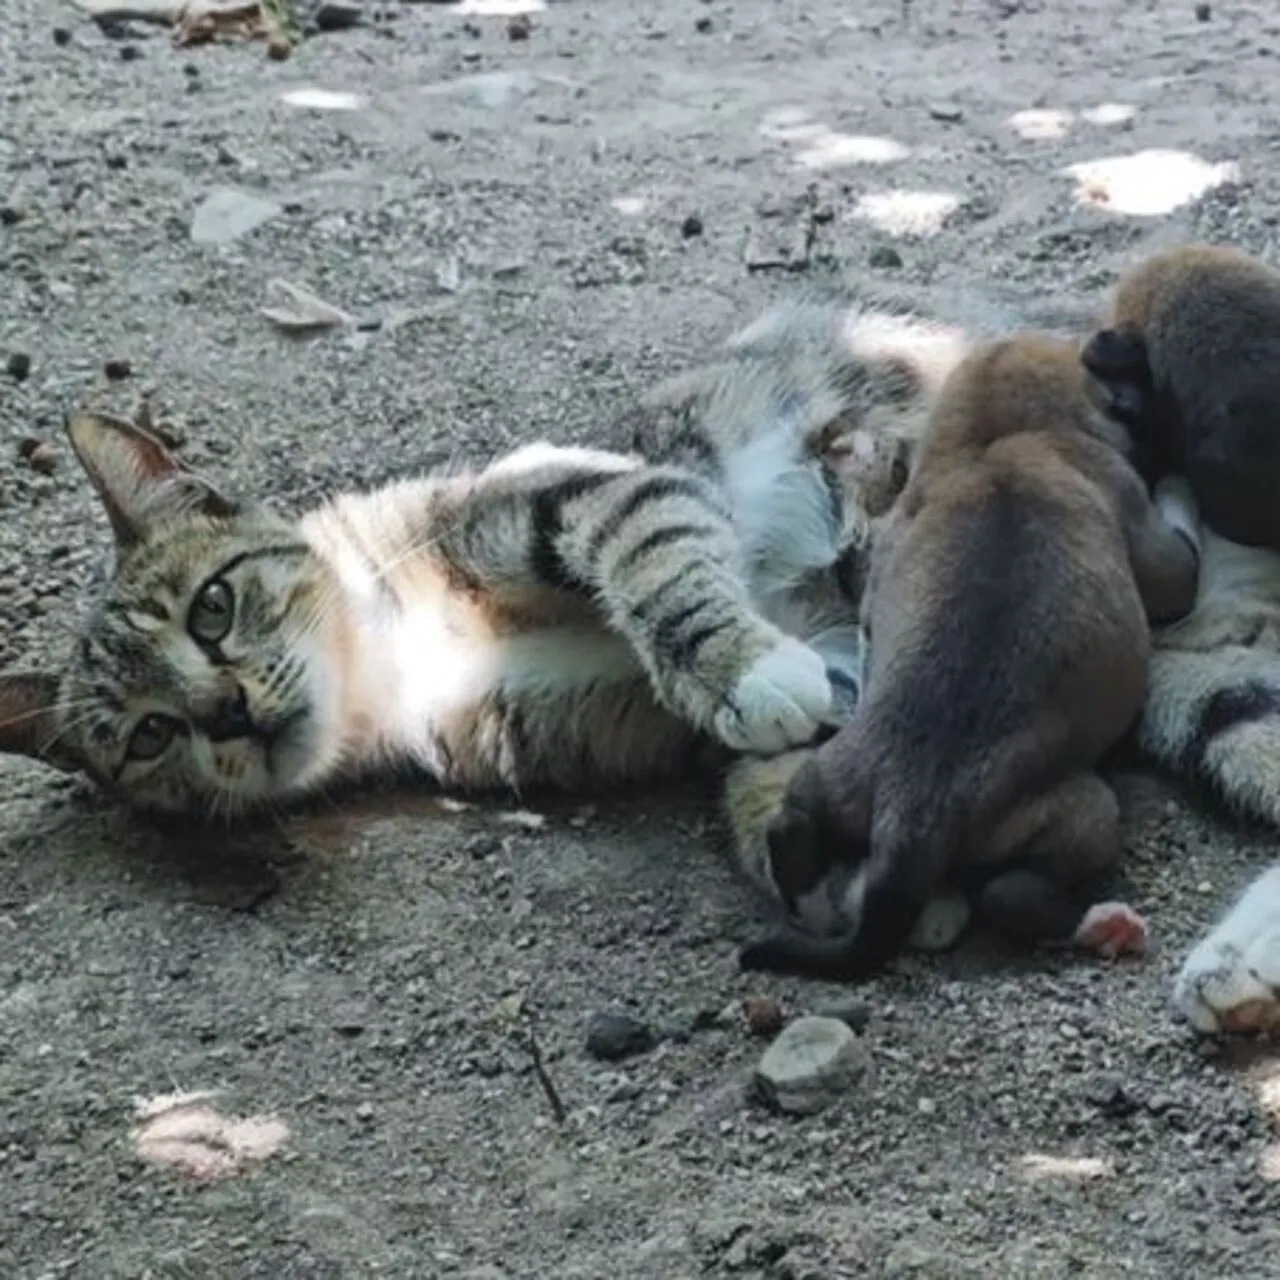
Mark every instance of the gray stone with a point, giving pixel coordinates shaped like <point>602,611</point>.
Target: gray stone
<point>811,1063</point>
<point>226,214</point>
<point>614,1034</point>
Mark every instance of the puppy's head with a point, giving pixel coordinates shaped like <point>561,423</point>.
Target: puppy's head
<point>1116,360</point>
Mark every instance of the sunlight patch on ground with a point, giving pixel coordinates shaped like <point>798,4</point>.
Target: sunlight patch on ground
<point>310,99</point>
<point>497,8</point>
<point>1048,124</point>
<point>906,213</point>
<point>630,206</point>
<point>819,147</point>
<point>1148,183</point>
<point>835,150</point>
<point>1109,113</point>
<point>1041,124</point>
<point>183,1132</point>
<point>1041,1168</point>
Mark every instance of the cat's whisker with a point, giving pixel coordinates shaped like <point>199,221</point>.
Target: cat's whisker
<point>24,716</point>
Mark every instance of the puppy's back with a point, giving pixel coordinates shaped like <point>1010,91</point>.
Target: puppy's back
<point>1012,602</point>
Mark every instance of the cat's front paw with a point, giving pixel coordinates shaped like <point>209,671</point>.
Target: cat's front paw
<point>782,701</point>
<point>1231,979</point>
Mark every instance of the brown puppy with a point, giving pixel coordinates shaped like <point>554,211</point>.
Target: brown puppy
<point>1192,357</point>
<point>1007,618</point>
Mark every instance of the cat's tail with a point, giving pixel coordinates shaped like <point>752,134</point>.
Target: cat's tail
<point>1215,716</point>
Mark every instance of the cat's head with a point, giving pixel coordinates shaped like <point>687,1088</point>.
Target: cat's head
<point>196,683</point>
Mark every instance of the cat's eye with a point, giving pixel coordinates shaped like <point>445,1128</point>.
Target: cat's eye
<point>151,736</point>
<point>212,612</point>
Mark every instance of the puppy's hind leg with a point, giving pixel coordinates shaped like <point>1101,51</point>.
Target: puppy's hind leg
<point>1060,848</point>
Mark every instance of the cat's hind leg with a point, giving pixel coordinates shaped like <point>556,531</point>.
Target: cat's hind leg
<point>1231,979</point>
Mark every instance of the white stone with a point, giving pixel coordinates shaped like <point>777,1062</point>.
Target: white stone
<point>811,1063</point>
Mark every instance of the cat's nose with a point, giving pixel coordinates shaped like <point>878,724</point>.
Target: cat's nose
<point>228,717</point>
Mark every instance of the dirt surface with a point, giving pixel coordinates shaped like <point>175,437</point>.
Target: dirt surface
<point>538,228</point>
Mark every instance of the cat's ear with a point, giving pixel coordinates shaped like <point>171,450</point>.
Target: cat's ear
<point>139,480</point>
<point>30,724</point>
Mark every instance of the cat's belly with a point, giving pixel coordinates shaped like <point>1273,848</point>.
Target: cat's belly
<point>565,708</point>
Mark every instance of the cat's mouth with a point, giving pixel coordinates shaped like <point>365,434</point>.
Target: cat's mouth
<point>282,742</point>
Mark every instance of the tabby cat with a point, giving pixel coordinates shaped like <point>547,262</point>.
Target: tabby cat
<point>563,616</point>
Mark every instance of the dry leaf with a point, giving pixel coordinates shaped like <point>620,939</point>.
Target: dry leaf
<point>183,1132</point>
<point>300,310</point>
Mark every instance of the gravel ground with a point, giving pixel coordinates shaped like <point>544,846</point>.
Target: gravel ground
<point>532,230</point>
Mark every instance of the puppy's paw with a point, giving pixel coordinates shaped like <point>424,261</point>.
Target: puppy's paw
<point>940,924</point>
<point>1112,929</point>
<point>1231,979</point>
<point>782,701</point>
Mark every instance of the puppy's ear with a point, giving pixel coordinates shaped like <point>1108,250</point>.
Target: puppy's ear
<point>1116,355</point>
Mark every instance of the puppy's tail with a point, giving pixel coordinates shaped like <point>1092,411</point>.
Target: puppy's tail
<point>1215,717</point>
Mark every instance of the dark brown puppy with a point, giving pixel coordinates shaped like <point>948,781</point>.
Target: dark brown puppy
<point>1007,611</point>
<point>1197,328</point>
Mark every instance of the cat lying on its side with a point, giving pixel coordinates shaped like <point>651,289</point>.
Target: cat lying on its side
<point>563,616</point>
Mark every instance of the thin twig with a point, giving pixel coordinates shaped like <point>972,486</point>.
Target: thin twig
<point>548,1086</point>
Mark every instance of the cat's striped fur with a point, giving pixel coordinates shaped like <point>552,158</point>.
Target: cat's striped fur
<point>1212,711</point>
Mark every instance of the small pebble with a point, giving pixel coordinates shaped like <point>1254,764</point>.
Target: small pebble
<point>947,112</point>
<point>335,16</point>
<point>18,366</point>
<point>117,370</point>
<point>279,48</point>
<point>519,28</point>
<point>1203,13</point>
<point>44,459</point>
<point>691,226</point>
<point>130,53</point>
<point>350,1019</point>
<point>10,215</point>
<point>613,1034</point>
<point>365,1112</point>
<point>61,37</point>
<point>624,1090</point>
<point>811,1064</point>
<point>702,25</point>
<point>855,1014</point>
<point>763,1014</point>
<point>884,257</point>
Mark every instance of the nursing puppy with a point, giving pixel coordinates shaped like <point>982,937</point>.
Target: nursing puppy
<point>1191,352</point>
<point>1007,616</point>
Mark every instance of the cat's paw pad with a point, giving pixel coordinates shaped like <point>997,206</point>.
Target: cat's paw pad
<point>782,701</point>
<point>1232,984</point>
<point>1112,929</point>
<point>941,923</point>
